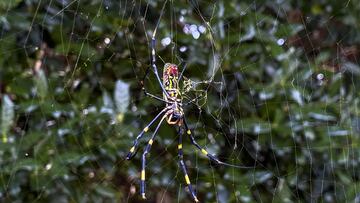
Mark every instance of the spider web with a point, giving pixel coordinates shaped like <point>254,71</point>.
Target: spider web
<point>273,87</point>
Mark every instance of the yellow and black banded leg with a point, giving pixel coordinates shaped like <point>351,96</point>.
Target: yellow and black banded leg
<point>183,166</point>
<point>146,92</point>
<point>153,62</point>
<point>206,153</point>
<point>155,97</point>
<point>143,159</point>
<point>136,141</point>
<point>149,94</point>
<point>182,72</point>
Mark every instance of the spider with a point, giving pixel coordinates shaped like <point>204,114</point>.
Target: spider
<point>174,115</point>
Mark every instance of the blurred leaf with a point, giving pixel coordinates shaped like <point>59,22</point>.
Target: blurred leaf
<point>352,68</point>
<point>83,51</point>
<point>108,104</point>
<point>262,176</point>
<point>41,83</point>
<point>6,5</point>
<point>296,96</point>
<point>26,164</point>
<point>122,98</point>
<point>322,116</point>
<point>250,33</point>
<point>253,126</point>
<point>73,157</point>
<point>105,191</point>
<point>7,117</point>
<point>283,192</point>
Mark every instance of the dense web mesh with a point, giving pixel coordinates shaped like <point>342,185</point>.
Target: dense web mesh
<point>271,85</point>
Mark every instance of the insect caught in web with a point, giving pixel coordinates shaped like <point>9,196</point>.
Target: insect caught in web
<point>174,115</point>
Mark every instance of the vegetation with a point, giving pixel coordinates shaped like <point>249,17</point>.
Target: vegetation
<point>276,87</point>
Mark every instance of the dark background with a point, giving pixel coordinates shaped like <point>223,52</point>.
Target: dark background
<point>276,86</point>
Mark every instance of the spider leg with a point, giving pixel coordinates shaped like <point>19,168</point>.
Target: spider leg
<point>182,72</point>
<point>146,92</point>
<point>153,62</point>
<point>191,101</point>
<point>136,141</point>
<point>143,158</point>
<point>206,153</point>
<point>183,166</point>
<point>155,97</point>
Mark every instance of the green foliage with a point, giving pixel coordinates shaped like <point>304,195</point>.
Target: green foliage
<point>7,117</point>
<point>276,88</point>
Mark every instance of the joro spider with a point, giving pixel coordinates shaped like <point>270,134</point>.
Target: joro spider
<point>173,113</point>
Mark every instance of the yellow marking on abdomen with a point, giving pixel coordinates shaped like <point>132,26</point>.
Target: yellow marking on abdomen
<point>151,141</point>
<point>188,132</point>
<point>132,149</point>
<point>180,146</point>
<point>146,129</point>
